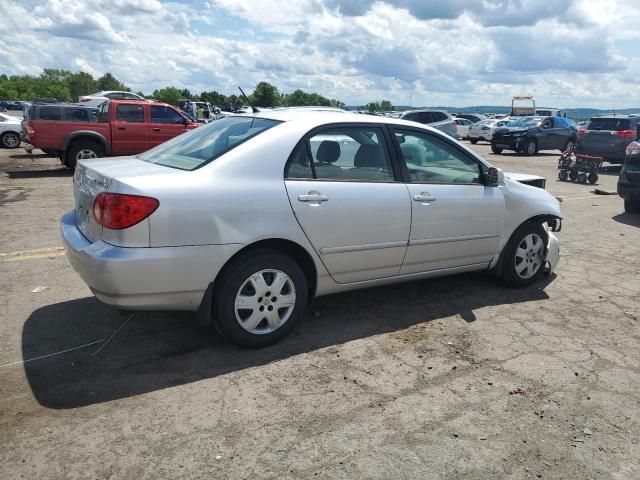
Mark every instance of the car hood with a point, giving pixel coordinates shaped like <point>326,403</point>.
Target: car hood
<point>511,130</point>
<point>522,177</point>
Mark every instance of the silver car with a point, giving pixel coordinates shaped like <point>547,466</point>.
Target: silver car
<point>439,119</point>
<point>248,218</point>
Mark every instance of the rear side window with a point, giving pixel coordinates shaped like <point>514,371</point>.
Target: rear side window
<point>425,117</point>
<point>130,113</point>
<point>164,114</point>
<point>614,124</point>
<point>439,116</point>
<point>79,115</point>
<point>50,113</point>
<point>202,145</point>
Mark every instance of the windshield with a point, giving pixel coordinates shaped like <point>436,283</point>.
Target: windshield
<point>204,144</point>
<point>527,122</point>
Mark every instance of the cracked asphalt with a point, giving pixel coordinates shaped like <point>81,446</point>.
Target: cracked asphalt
<point>456,378</point>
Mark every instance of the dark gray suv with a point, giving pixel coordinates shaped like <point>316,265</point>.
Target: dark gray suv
<point>608,136</point>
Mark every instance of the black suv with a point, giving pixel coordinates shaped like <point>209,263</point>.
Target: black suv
<point>528,135</point>
<point>629,180</point>
<point>608,137</point>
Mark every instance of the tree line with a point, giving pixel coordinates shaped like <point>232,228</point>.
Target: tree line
<point>67,86</point>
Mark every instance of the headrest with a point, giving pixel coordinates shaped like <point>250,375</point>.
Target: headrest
<point>369,155</point>
<point>328,151</point>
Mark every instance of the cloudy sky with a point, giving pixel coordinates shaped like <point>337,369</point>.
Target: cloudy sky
<point>568,53</point>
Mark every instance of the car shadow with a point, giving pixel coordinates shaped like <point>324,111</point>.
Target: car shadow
<point>522,155</point>
<point>29,156</point>
<point>632,219</point>
<point>157,350</point>
<point>58,172</point>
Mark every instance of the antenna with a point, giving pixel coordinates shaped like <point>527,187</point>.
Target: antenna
<point>253,109</point>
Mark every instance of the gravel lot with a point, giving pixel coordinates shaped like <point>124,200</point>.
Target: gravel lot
<point>449,378</point>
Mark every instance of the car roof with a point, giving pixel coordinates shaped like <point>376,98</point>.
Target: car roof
<point>425,110</point>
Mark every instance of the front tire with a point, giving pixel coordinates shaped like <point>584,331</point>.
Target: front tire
<point>473,141</point>
<point>10,140</point>
<point>81,151</point>
<point>523,256</point>
<point>262,296</point>
<point>495,149</point>
<point>530,147</point>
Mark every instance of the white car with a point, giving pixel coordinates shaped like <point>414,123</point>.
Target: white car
<point>245,219</point>
<point>96,99</point>
<point>462,125</point>
<point>484,130</point>
<point>10,131</point>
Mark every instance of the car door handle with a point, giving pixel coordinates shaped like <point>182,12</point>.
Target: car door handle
<point>156,129</point>
<point>313,197</point>
<point>424,197</point>
<point>122,128</point>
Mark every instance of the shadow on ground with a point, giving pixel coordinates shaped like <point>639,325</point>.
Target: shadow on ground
<point>48,173</point>
<point>632,219</point>
<point>156,350</point>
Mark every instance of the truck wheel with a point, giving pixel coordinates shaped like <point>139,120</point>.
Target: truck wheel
<point>10,140</point>
<point>495,149</point>
<point>523,256</point>
<point>82,151</point>
<point>261,297</point>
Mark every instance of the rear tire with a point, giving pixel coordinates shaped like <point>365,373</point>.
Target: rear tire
<point>563,175</point>
<point>10,140</point>
<point>81,151</point>
<point>249,308</point>
<point>567,146</point>
<point>632,204</point>
<point>523,256</point>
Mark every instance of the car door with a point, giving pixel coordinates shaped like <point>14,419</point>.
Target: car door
<point>165,124</point>
<point>547,134</point>
<point>129,130</point>
<point>350,201</point>
<point>456,219</point>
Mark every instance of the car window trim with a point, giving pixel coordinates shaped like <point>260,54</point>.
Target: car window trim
<point>397,175</point>
<point>405,169</point>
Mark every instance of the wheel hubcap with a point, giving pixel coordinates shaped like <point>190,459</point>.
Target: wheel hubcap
<point>85,154</point>
<point>11,140</point>
<point>531,148</point>
<point>529,256</point>
<point>265,301</point>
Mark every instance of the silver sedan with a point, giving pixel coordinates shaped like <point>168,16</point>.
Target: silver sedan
<point>248,218</point>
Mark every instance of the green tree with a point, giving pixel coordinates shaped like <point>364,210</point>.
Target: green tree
<point>169,95</point>
<point>109,82</point>
<point>214,98</point>
<point>372,107</point>
<point>186,94</point>
<point>385,105</point>
<point>81,83</point>
<point>265,95</point>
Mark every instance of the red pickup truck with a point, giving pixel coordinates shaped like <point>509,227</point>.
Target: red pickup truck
<point>121,127</point>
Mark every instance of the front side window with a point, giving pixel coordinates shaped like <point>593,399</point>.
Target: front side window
<point>343,154</point>
<point>430,159</point>
<point>130,113</point>
<point>426,117</point>
<point>50,113</point>
<point>114,96</point>
<point>204,144</point>
<point>163,114</point>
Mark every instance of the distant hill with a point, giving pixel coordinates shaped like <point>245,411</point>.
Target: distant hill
<point>575,113</point>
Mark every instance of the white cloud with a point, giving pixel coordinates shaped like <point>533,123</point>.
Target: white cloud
<point>420,52</point>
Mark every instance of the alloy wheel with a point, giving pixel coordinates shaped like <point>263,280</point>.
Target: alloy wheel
<point>85,154</point>
<point>11,140</point>
<point>265,301</point>
<point>529,256</point>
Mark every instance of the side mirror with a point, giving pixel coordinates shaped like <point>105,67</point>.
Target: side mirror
<point>494,177</point>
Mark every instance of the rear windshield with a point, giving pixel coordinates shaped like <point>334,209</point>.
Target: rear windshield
<point>614,124</point>
<point>204,144</point>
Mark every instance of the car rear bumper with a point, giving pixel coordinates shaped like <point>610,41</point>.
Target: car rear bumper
<point>163,278</point>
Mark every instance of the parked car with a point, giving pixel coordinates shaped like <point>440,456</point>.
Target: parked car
<point>484,130</point>
<point>462,126</point>
<point>10,131</point>
<point>245,219</point>
<point>629,179</point>
<point>474,117</point>
<point>608,136</point>
<point>550,112</point>
<point>45,101</point>
<point>122,127</point>
<point>97,99</point>
<point>528,135</point>
<point>439,119</point>
<point>13,105</point>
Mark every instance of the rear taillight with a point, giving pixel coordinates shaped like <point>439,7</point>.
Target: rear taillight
<point>633,148</point>
<point>626,133</point>
<point>118,211</point>
<point>582,132</point>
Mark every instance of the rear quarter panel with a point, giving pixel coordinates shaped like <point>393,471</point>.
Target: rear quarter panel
<point>51,134</point>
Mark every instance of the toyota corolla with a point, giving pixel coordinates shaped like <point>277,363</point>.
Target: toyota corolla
<point>245,220</point>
